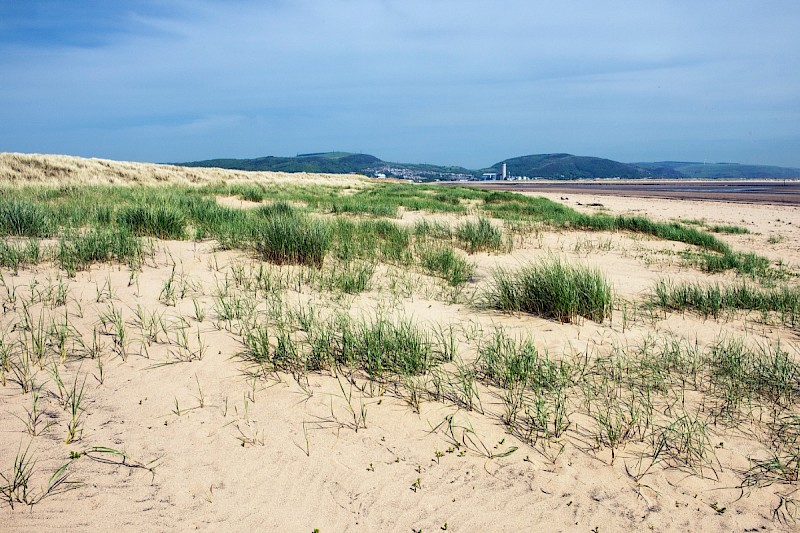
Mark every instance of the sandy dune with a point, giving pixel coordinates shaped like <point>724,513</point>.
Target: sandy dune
<point>60,170</point>
<point>213,444</point>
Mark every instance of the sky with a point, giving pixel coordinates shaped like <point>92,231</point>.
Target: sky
<point>450,82</point>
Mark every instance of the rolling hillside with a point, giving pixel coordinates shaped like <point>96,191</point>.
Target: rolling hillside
<point>567,166</point>
<point>719,170</point>
<point>548,166</point>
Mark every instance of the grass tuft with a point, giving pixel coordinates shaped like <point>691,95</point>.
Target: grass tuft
<point>551,289</point>
<point>479,236</point>
<point>22,218</point>
<point>443,261</point>
<point>293,239</point>
<point>163,222</point>
<point>714,299</point>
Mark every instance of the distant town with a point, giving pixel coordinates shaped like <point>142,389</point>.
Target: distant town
<point>415,175</point>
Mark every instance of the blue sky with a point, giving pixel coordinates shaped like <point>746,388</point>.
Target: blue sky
<point>440,81</point>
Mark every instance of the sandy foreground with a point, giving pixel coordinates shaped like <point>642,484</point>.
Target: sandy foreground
<point>213,444</point>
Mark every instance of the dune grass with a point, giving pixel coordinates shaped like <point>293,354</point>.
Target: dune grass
<point>181,211</point>
<point>551,289</point>
<point>443,261</point>
<point>16,255</point>
<point>78,251</point>
<point>350,277</point>
<point>293,239</point>
<point>163,221</point>
<point>728,229</point>
<point>23,218</point>
<point>367,239</point>
<point>715,299</point>
<point>379,346</point>
<point>363,206</point>
<point>715,254</point>
<point>479,236</point>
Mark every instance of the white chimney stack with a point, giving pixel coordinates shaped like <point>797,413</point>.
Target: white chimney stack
<point>504,171</point>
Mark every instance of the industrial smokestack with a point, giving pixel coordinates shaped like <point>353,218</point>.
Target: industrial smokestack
<point>504,171</point>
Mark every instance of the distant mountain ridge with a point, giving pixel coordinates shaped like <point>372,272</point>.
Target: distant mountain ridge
<point>547,166</point>
<point>325,163</point>
<point>721,170</point>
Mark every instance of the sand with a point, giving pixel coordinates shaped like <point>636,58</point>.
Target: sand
<point>211,444</point>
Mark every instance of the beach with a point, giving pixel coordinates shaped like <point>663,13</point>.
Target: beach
<point>166,420</point>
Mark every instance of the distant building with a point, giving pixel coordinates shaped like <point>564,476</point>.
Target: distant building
<point>491,176</point>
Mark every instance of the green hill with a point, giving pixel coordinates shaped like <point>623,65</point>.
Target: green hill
<point>719,170</point>
<point>339,163</point>
<point>328,163</point>
<point>568,167</point>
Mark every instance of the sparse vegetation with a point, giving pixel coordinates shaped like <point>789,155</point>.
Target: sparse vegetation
<point>321,292</point>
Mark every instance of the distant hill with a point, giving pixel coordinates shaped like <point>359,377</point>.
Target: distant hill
<point>567,166</point>
<point>718,170</point>
<point>340,163</point>
<point>327,163</point>
<point>549,166</point>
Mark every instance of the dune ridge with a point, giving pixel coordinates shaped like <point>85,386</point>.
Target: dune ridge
<point>44,169</point>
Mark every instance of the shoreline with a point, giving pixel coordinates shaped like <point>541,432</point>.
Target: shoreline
<point>749,191</point>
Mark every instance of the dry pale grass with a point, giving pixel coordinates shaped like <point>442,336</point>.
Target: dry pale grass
<point>30,169</point>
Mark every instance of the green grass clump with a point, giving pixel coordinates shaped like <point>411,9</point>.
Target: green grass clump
<point>162,221</point>
<point>22,218</point>
<point>713,299</point>
<point>443,261</point>
<point>433,230</point>
<point>479,236</point>
<point>381,347</point>
<point>534,388</point>
<point>77,252</point>
<point>748,264</point>
<point>277,209</point>
<point>233,228</point>
<point>552,289</point>
<point>15,255</point>
<point>293,239</point>
<point>670,232</point>
<point>252,193</point>
<point>416,197</point>
<point>730,230</point>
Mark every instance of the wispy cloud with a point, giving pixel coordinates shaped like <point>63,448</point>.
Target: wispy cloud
<point>446,81</point>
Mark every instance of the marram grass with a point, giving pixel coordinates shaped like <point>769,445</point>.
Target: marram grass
<point>292,238</point>
<point>551,289</point>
